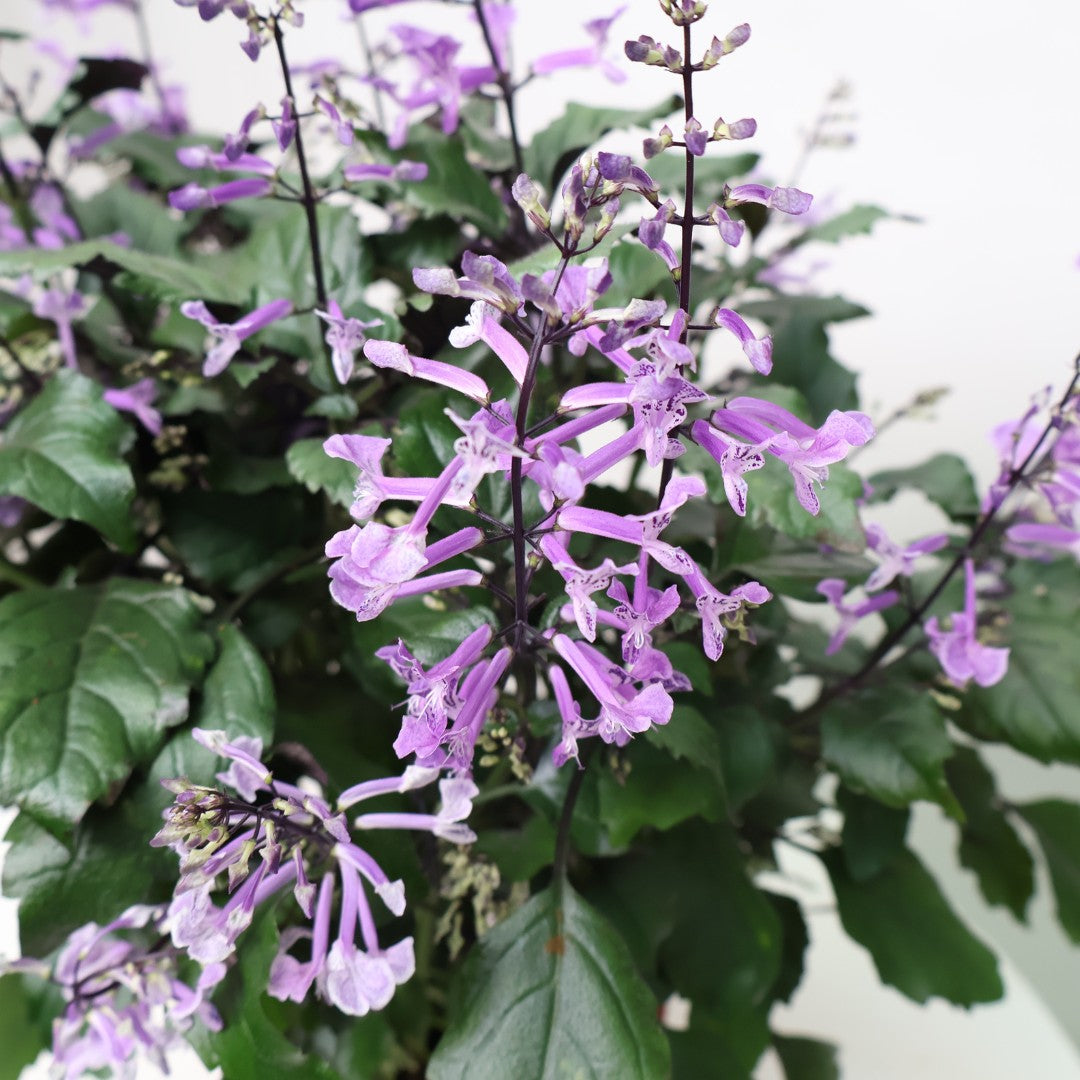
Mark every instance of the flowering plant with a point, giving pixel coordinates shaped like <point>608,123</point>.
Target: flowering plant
<point>377,451</point>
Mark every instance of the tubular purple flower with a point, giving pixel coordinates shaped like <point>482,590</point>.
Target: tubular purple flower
<point>895,560</point>
<point>62,307</point>
<point>758,350</point>
<point>290,980</point>
<point>193,197</point>
<point>737,129</point>
<point>734,459</point>
<point>581,584</point>
<point>695,137</point>
<point>786,199</point>
<point>344,336</point>
<point>833,590</point>
<point>731,231</point>
<point>482,325</point>
<point>231,336</point>
<point>404,170</point>
<point>342,128</point>
<point>284,127</point>
<point>961,655</point>
<point>1054,536</point>
<point>586,56</point>
<point>715,606</point>
<point>202,157</point>
<point>651,234</point>
<point>136,399</point>
<point>485,278</point>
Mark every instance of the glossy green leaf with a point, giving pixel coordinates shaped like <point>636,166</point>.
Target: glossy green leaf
<point>795,939</point>
<point>63,454</point>
<point>807,1059</point>
<point>915,939</point>
<point>889,744</point>
<point>989,845</point>
<point>944,479</point>
<point>1034,708</point>
<point>92,677</point>
<point>549,993</point>
<point>318,471</point>
<point>1057,825</point>
<point>555,149</point>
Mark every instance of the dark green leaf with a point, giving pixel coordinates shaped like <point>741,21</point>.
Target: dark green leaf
<point>92,678</point>
<point>519,853</point>
<point>690,738</point>
<point>659,791</point>
<point>636,272</point>
<point>873,833</point>
<point>796,939</point>
<point>1034,708</point>
<point>1057,825</point>
<point>549,993</point>
<point>989,845</point>
<point>723,1043</point>
<point>891,745</point>
<point>859,219</point>
<point>333,406</point>
<point>152,227</point>
<point>554,149</point>
<point>21,1040</point>
<point>801,348</point>
<point>426,440</point>
<point>915,939</point>
<point>807,1059</point>
<point>317,471</point>
<point>453,186</point>
<point>62,453</point>
<point>944,479</point>
<point>747,750</point>
<point>237,698</point>
<point>109,866</point>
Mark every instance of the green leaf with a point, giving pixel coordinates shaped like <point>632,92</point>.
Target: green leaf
<point>426,439</point>
<point>237,698</point>
<point>989,845</point>
<point>62,453</point>
<point>915,939</point>
<point>20,1038</point>
<point>1034,707</point>
<point>251,1046</point>
<point>162,277</point>
<point>109,866</point>
<point>636,272</point>
<point>317,471</point>
<point>772,499</point>
<point>150,224</point>
<point>807,1059</point>
<point>859,219</point>
<point>659,791</point>
<point>453,186</point>
<point>1057,825</point>
<point>801,348</point>
<point>944,479</point>
<point>891,745</point>
<point>873,833</point>
<point>333,406</point>
<point>550,993</point>
<point>723,1043</point>
<point>91,678</point>
<point>795,941</point>
<point>689,737</point>
<point>747,750</point>
<point>553,150</point>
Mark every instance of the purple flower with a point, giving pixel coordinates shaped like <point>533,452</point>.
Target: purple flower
<point>958,651</point>
<point>581,584</point>
<point>758,350</point>
<point>202,157</point>
<point>895,560</point>
<point>485,278</point>
<point>734,459</point>
<point>403,170</point>
<point>62,307</point>
<point>193,197</point>
<point>344,336</point>
<point>806,451</point>
<point>230,336</point>
<point>284,127</point>
<point>393,355</point>
<point>787,199</point>
<point>833,590</point>
<point>136,399</point>
<point>585,56</point>
<point>695,137</point>
<point>124,996</point>
<point>719,611</point>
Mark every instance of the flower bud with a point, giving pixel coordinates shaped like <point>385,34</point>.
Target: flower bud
<point>526,194</point>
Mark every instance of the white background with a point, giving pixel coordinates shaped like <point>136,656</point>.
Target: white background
<point>965,120</point>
